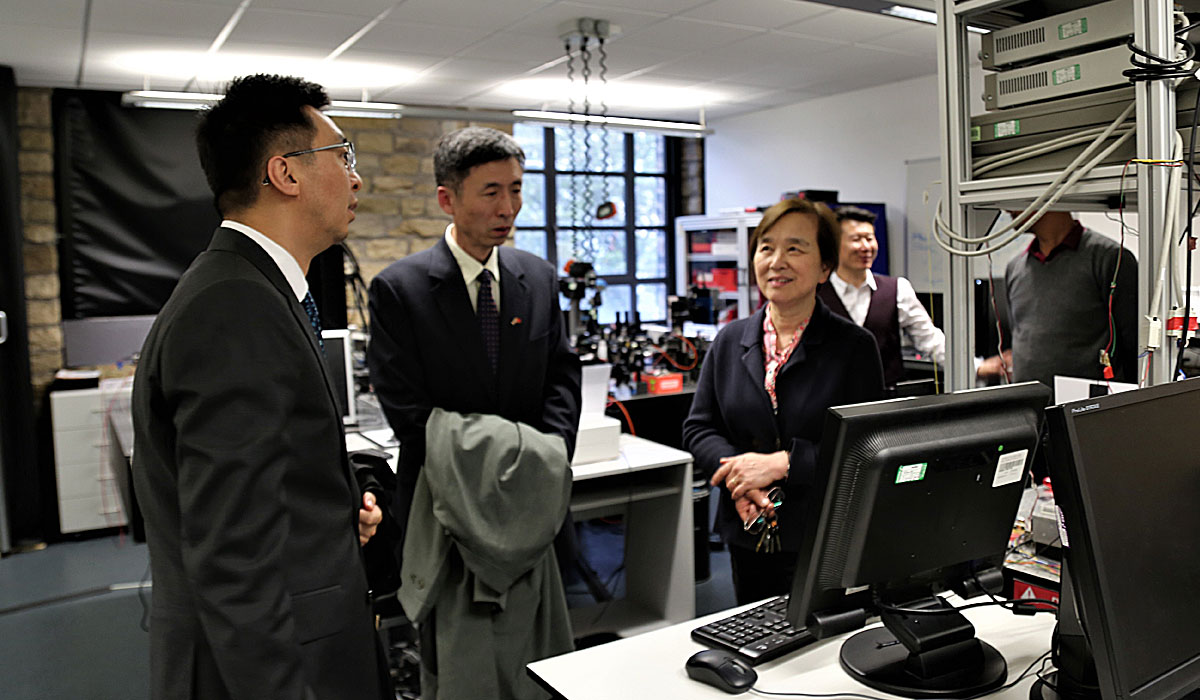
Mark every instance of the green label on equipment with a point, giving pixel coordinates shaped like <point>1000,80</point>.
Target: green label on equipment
<point>911,472</point>
<point>1070,29</point>
<point>1066,74</point>
<point>1004,129</point>
<point>976,134</point>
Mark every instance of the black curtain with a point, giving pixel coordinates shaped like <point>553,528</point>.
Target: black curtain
<point>134,209</point>
<point>18,456</point>
<point>133,205</point>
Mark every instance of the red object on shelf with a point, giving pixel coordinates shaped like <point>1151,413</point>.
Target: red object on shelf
<point>725,278</point>
<point>670,383</point>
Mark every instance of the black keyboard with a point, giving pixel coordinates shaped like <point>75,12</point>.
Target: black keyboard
<point>759,634</point>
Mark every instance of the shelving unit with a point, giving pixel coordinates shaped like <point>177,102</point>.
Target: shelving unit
<point>704,244</point>
<point>964,198</point>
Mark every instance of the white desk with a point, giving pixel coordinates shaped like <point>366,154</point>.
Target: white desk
<point>651,665</point>
<point>650,486</point>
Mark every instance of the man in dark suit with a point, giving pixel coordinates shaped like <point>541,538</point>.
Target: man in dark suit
<point>471,325</point>
<point>239,461</point>
<point>428,340</point>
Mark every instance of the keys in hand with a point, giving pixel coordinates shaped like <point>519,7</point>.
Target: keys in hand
<point>767,523</point>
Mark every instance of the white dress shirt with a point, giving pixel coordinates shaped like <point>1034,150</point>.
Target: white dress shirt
<point>470,268</point>
<point>914,320</point>
<point>283,259</point>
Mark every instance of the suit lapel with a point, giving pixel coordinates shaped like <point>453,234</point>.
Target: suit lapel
<point>232,241</point>
<point>450,292</point>
<point>514,322</point>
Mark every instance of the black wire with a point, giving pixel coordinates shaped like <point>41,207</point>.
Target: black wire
<point>1157,67</point>
<point>1024,602</point>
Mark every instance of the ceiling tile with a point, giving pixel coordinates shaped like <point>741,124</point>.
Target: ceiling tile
<point>159,18</point>
<point>410,37</point>
<point>46,13</point>
<point>518,47</point>
<point>919,39</point>
<point>491,15</point>
<point>676,34</point>
<point>40,55</point>
<point>357,8</point>
<point>323,31</point>
<point>664,7</point>
<point>849,25</point>
<point>765,14</point>
<point>491,71</point>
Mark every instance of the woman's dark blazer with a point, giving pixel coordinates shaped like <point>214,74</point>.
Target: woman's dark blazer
<point>836,363</point>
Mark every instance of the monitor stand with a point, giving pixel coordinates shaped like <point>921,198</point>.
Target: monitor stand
<point>924,656</point>
<point>1075,678</point>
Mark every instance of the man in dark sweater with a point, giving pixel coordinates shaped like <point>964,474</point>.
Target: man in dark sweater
<point>1063,320</point>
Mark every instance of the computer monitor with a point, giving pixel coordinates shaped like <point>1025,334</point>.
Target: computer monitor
<point>339,358</point>
<point>913,497</point>
<point>1126,477</point>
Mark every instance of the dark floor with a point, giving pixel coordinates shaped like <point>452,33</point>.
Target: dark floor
<point>72,615</point>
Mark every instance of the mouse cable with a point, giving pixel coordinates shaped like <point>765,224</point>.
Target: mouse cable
<point>861,696</point>
<point>1017,604</point>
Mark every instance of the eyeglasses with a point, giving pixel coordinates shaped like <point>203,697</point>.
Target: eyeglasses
<point>348,158</point>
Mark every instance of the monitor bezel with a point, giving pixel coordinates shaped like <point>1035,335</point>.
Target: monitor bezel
<point>1089,571</point>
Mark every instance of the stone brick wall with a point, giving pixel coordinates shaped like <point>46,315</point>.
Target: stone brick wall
<point>398,212</point>
<point>36,165</point>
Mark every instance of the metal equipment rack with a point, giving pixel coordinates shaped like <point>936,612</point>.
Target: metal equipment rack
<point>963,195</point>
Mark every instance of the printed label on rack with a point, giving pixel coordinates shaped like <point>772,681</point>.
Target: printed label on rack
<point>1011,127</point>
<point>1010,468</point>
<point>1066,74</point>
<point>1070,29</point>
<point>911,472</point>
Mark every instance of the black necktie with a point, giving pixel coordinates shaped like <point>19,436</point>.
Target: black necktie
<point>314,317</point>
<point>489,319</point>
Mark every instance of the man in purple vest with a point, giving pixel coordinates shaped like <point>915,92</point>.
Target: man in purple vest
<point>883,305</point>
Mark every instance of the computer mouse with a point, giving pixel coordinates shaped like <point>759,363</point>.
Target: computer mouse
<point>721,669</point>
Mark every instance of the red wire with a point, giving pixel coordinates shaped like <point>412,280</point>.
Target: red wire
<point>628,421</point>
<point>694,352</point>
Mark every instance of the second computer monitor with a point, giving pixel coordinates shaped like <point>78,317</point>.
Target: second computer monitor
<point>1126,477</point>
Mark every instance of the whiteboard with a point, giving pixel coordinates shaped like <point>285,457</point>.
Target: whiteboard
<point>926,265</point>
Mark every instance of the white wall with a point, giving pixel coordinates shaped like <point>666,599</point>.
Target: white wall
<point>856,143</point>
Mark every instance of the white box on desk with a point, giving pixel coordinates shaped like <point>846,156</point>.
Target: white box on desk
<point>598,439</point>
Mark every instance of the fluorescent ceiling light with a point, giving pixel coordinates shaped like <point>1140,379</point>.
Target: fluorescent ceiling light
<point>377,110</point>
<point>623,94</point>
<point>163,99</point>
<point>625,123</point>
<point>921,16</point>
<point>222,67</point>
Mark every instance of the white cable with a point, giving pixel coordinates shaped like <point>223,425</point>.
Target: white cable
<point>1022,222</point>
<point>1169,228</point>
<point>989,164</point>
<point>1025,218</point>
